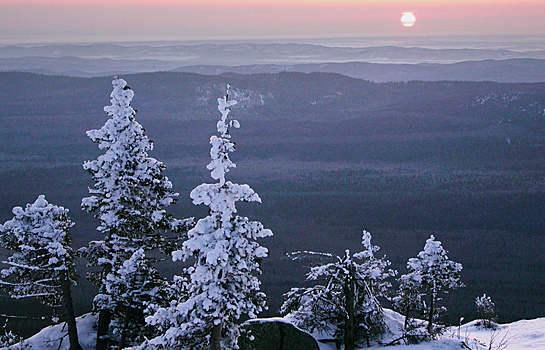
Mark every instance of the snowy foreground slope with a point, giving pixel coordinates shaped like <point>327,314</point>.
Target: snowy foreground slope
<point>525,334</point>
<point>50,337</point>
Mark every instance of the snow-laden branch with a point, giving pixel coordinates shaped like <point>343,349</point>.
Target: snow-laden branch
<point>345,292</point>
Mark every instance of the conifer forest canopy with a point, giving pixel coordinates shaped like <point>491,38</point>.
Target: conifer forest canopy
<point>329,155</point>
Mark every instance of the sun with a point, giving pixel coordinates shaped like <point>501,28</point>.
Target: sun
<point>408,19</point>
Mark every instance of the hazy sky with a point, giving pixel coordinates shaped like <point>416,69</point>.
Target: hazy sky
<point>34,21</point>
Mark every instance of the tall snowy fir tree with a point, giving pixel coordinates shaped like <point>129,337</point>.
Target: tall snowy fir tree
<point>222,285</point>
<point>429,275</point>
<point>129,198</point>
<point>346,301</point>
<point>42,263</point>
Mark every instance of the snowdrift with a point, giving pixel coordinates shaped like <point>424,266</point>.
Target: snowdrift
<point>520,335</point>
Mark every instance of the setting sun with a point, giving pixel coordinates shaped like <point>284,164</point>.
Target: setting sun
<point>408,19</point>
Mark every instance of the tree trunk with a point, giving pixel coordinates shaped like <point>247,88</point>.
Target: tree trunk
<point>134,316</point>
<point>349,322</point>
<point>406,324</point>
<point>69,310</point>
<point>215,337</point>
<point>103,324</point>
<point>431,312</point>
<point>104,318</point>
<point>124,332</point>
<point>282,337</point>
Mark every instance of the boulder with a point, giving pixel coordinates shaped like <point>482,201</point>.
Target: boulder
<point>274,334</point>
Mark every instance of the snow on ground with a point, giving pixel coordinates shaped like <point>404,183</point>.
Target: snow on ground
<point>520,335</point>
<point>524,334</point>
<point>56,337</point>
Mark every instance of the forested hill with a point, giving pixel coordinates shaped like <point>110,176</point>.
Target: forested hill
<point>299,96</point>
<point>329,155</point>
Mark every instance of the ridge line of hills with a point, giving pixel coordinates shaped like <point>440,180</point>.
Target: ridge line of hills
<point>266,52</point>
<point>524,70</point>
<point>374,63</point>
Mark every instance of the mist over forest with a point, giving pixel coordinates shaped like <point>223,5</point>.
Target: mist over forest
<point>500,59</point>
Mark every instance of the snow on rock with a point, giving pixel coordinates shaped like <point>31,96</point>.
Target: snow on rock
<point>56,337</point>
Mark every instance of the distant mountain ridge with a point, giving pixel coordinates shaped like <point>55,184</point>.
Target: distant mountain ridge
<point>82,67</point>
<point>503,71</point>
<point>376,63</point>
<point>251,53</point>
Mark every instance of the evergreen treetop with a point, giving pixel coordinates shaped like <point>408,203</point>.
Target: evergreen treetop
<point>38,236</point>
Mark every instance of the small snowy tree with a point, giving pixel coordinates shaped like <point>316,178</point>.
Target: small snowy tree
<point>133,285</point>
<point>430,274</point>
<point>346,302</point>
<point>129,198</point>
<point>408,299</point>
<point>487,311</point>
<point>222,284</point>
<point>8,339</point>
<point>42,263</point>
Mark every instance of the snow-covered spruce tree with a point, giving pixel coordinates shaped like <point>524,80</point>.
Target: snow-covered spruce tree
<point>131,286</point>
<point>42,263</point>
<point>8,338</point>
<point>129,198</point>
<point>487,311</point>
<point>346,299</point>
<point>429,275</point>
<point>408,300</point>
<point>222,284</point>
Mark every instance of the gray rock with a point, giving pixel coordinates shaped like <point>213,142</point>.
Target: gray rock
<point>274,334</point>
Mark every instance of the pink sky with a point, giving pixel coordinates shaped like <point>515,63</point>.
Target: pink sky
<point>98,20</point>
